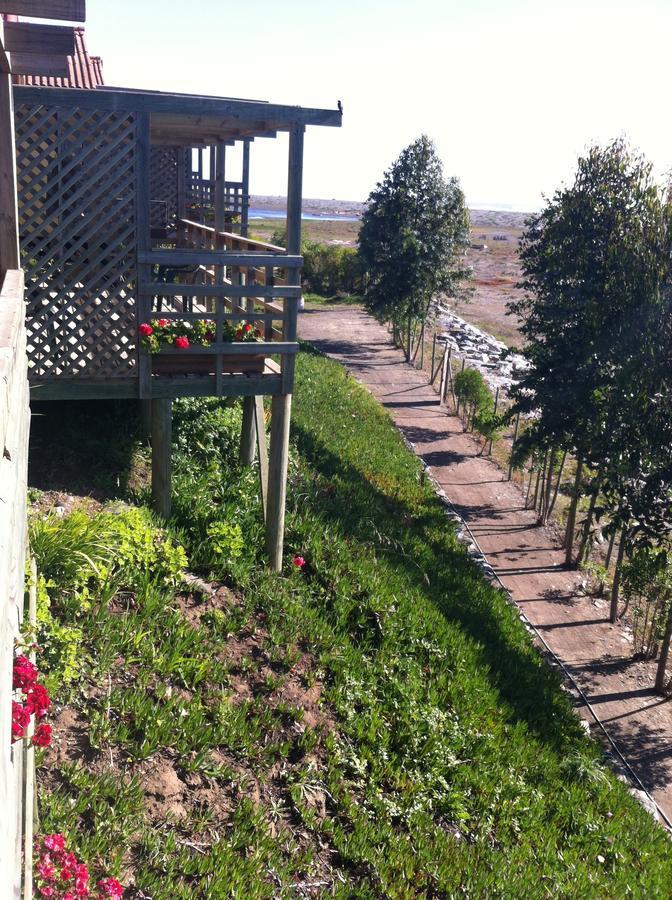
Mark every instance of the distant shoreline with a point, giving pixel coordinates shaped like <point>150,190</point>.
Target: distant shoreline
<point>480,218</point>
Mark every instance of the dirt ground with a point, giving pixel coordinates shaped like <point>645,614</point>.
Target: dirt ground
<point>527,558</point>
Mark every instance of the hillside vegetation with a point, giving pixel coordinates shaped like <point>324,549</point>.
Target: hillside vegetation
<point>373,723</point>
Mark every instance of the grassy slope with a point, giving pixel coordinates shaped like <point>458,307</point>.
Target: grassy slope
<point>453,764</point>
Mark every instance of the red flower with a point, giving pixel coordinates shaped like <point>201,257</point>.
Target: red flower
<point>299,562</point>
<point>162,323</point>
<point>20,720</point>
<point>37,700</point>
<point>145,329</point>
<point>25,673</point>
<point>247,327</point>
<point>81,880</point>
<point>66,874</point>
<point>110,887</point>
<point>182,342</point>
<point>55,843</point>
<point>42,736</point>
<point>46,871</point>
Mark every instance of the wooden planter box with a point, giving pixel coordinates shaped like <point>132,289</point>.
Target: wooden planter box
<point>178,363</point>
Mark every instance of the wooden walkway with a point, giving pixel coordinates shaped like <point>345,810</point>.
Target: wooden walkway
<point>527,558</point>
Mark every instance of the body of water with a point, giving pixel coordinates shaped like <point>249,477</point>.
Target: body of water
<point>256,213</point>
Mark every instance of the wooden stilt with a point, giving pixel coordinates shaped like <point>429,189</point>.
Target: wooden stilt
<point>247,433</point>
<point>262,450</point>
<point>162,428</point>
<point>281,407</point>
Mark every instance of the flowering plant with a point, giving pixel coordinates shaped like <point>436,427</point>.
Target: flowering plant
<point>181,334</point>
<point>61,876</point>
<point>34,702</point>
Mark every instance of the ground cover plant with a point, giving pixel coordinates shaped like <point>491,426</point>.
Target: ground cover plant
<point>372,723</point>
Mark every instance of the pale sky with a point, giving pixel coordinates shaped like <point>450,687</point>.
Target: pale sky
<point>511,91</point>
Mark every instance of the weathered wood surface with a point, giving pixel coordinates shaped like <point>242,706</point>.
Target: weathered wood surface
<point>9,230</point>
<point>65,10</point>
<point>14,427</point>
<point>45,40</point>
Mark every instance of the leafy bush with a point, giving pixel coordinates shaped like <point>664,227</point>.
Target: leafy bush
<point>328,268</point>
<point>478,403</point>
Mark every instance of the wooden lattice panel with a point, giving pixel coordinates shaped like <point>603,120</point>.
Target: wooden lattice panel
<point>77,213</point>
<point>163,187</point>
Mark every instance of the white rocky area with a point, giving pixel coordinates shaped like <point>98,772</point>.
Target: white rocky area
<point>481,351</point>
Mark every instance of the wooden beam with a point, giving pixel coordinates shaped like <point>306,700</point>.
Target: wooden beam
<point>247,433</point>
<point>281,408</point>
<point>162,439</point>
<point>34,64</point>
<point>5,67</point>
<point>244,216</point>
<point>65,10</point>
<point>218,258</point>
<point>9,227</point>
<point>44,40</point>
<point>262,450</point>
<point>244,112</point>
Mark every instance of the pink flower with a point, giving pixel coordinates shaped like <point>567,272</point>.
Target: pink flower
<point>182,342</point>
<point>25,673</point>
<point>66,874</point>
<point>55,843</point>
<point>110,887</point>
<point>46,871</point>
<point>47,891</point>
<point>68,895</point>
<point>145,329</point>
<point>20,720</point>
<point>70,860</point>
<point>37,700</point>
<point>299,562</point>
<point>81,880</point>
<point>42,736</point>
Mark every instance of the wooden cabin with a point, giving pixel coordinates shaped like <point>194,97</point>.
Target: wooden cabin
<point>126,216</point>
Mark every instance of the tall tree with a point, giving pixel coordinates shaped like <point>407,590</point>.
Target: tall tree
<point>595,261</point>
<point>413,236</point>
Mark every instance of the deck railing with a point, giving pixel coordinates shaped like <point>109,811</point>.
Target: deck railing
<point>223,278</point>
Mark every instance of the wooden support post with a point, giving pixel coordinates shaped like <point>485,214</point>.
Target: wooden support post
<point>494,413</point>
<point>431,368</point>
<point>281,407</point>
<point>247,433</point>
<point>513,444</point>
<point>162,439</point>
<point>144,242</point>
<point>181,190</point>
<point>245,198</point>
<point>262,450</point>
<point>9,229</point>
<point>444,376</point>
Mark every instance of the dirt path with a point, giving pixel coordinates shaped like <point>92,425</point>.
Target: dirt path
<point>527,558</point>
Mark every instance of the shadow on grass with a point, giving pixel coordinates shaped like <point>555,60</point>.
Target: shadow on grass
<point>84,447</point>
<point>455,586</point>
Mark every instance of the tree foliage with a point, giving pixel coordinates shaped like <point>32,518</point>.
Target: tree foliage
<point>596,319</point>
<point>413,235</point>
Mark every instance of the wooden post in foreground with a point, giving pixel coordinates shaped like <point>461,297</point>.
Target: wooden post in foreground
<point>247,433</point>
<point>281,404</point>
<point>9,230</point>
<point>162,463</point>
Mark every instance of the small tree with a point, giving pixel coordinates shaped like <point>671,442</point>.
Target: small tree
<point>412,237</point>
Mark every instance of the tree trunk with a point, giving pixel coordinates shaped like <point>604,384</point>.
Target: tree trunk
<point>409,341</point>
<point>664,651</point>
<point>615,587</point>
<point>557,483</point>
<point>529,486</point>
<point>584,549</point>
<point>540,476</point>
<point>612,540</point>
<point>571,517</point>
<point>548,487</point>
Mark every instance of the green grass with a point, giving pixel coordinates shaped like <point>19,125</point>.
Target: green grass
<point>451,765</point>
